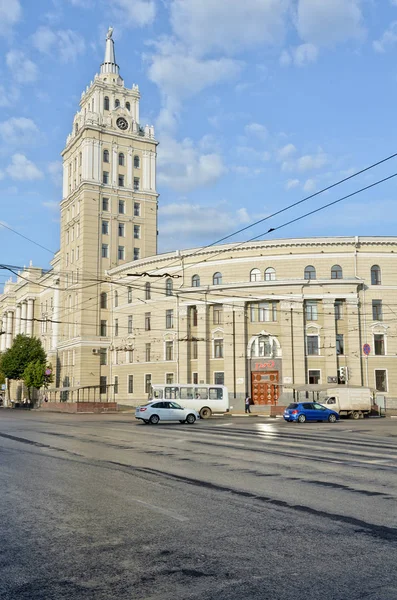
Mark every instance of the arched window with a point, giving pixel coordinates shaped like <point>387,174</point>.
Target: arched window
<point>196,281</point>
<point>270,274</point>
<point>121,159</point>
<point>336,272</point>
<point>264,346</point>
<point>106,156</point>
<point>104,300</point>
<point>310,272</point>
<point>116,299</point>
<point>217,278</point>
<point>128,106</point>
<point>137,162</point>
<point>106,103</point>
<point>255,275</point>
<point>117,103</point>
<point>375,275</point>
<point>168,287</point>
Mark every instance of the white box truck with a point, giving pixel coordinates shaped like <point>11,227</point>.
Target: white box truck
<point>349,402</point>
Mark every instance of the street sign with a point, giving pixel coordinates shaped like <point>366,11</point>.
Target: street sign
<point>367,349</point>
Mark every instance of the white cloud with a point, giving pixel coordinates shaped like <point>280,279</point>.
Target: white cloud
<point>8,95</point>
<point>328,22</point>
<point>136,13</point>
<point>188,220</point>
<point>180,76</point>
<point>300,56</point>
<point>22,69</point>
<point>19,130</point>
<point>256,130</point>
<point>228,26</point>
<point>67,43</point>
<point>183,168</point>
<point>23,169</point>
<point>286,152</point>
<point>55,170</point>
<point>291,184</point>
<point>1,175</point>
<point>310,185</point>
<point>51,205</point>
<point>388,39</point>
<point>308,162</point>
<point>285,59</point>
<point>305,54</point>
<point>10,14</point>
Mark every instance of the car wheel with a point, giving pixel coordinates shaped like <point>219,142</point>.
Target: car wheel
<point>332,418</point>
<point>190,419</point>
<point>205,413</point>
<point>154,419</point>
<point>355,415</point>
<point>302,418</point>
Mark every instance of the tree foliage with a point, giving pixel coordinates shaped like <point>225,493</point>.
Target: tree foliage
<point>34,374</point>
<point>24,350</point>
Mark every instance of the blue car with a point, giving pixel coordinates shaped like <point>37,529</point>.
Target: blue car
<point>309,411</point>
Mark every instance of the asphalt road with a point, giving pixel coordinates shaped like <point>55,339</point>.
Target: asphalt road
<point>102,507</point>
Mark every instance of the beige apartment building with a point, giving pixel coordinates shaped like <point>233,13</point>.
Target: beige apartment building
<point>259,317</point>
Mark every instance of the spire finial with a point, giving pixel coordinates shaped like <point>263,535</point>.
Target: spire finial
<point>109,65</point>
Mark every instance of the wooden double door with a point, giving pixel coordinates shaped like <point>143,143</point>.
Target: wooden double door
<point>265,387</point>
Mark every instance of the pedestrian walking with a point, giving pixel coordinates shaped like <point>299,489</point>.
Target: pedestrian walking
<point>247,404</point>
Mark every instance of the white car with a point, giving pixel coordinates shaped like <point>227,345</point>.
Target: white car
<point>165,411</point>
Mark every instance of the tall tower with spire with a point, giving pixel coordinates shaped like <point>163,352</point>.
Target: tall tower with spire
<point>108,217</point>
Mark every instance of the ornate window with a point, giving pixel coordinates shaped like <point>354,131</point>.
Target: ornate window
<point>376,278</point>
<point>336,272</point>
<point>106,103</point>
<point>116,103</point>
<point>310,272</point>
<point>137,162</point>
<point>217,278</point>
<point>121,159</point>
<point>196,281</point>
<point>264,346</point>
<point>255,275</point>
<point>128,106</point>
<point>106,156</point>
<point>270,274</point>
<point>168,287</point>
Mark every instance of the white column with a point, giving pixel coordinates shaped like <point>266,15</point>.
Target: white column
<point>10,316</point>
<point>85,159</point>
<point>23,317</point>
<point>145,170</point>
<point>18,320</point>
<point>90,159</point>
<point>55,315</point>
<point>3,332</point>
<point>114,165</point>
<point>65,189</point>
<point>136,110</point>
<point>96,175</point>
<point>153,171</point>
<point>130,158</point>
<point>29,328</point>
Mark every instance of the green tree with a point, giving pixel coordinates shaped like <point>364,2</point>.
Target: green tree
<point>24,350</point>
<point>34,375</point>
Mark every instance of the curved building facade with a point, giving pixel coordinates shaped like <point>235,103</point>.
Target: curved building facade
<point>114,316</point>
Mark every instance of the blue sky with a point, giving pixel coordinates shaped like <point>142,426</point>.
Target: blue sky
<point>256,105</point>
